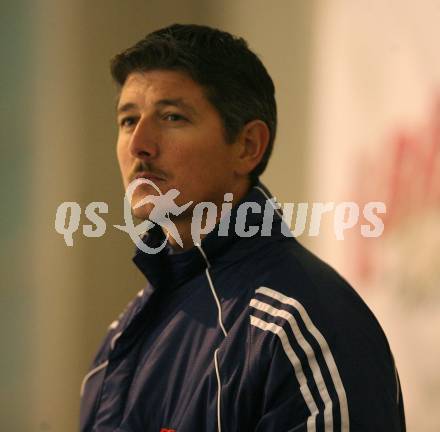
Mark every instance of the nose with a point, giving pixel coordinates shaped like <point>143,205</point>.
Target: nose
<point>144,140</point>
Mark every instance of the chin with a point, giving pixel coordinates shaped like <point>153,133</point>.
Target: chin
<point>141,212</point>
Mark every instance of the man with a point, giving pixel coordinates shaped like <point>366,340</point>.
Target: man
<point>244,330</point>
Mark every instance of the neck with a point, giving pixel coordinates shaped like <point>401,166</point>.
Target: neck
<point>184,224</point>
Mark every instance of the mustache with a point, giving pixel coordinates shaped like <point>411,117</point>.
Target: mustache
<point>146,167</point>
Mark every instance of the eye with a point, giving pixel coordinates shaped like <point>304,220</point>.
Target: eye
<point>173,117</point>
<point>127,122</point>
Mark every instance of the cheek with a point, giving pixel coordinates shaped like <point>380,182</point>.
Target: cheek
<point>198,168</point>
<point>214,162</point>
<point>123,156</point>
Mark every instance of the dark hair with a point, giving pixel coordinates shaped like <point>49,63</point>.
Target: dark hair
<point>233,77</point>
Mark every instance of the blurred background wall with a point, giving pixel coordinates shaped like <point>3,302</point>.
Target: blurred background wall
<point>375,136</point>
<point>58,144</point>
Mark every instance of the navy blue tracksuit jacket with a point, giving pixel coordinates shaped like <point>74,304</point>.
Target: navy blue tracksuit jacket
<point>243,334</point>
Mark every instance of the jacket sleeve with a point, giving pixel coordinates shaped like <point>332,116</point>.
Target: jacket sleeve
<point>296,394</point>
<point>316,382</point>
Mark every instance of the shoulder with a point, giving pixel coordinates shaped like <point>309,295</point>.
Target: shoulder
<point>301,304</point>
<point>305,319</point>
<point>292,279</point>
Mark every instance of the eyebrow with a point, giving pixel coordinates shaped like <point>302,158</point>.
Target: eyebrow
<point>178,103</point>
<point>125,107</point>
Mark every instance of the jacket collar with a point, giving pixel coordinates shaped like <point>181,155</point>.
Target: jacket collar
<point>167,270</point>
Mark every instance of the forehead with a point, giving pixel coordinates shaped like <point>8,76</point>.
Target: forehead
<point>144,88</point>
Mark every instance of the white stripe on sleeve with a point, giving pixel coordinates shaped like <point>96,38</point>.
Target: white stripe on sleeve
<point>311,358</point>
<point>328,356</point>
<point>299,373</point>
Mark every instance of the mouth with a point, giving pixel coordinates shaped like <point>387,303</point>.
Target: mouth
<point>148,176</point>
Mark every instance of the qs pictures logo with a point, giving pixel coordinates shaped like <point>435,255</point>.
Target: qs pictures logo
<point>345,215</point>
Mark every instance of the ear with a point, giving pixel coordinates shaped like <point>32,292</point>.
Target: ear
<point>254,139</point>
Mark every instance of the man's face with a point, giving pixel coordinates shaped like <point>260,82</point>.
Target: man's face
<point>172,135</point>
